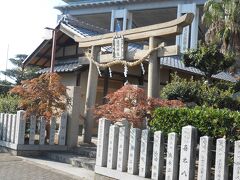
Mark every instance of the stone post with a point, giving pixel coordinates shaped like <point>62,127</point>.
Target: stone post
<point>188,153</point>
<point>1,125</point>
<point>134,151</point>
<point>204,166</point>
<point>62,129</point>
<point>73,116</point>
<point>13,128</point>
<point>42,130</point>
<point>52,130</point>
<point>153,70</point>
<point>20,127</point>
<point>158,153</point>
<point>91,96</point>
<point>172,157</point>
<point>236,164</point>
<point>9,129</point>
<point>221,167</point>
<point>5,126</point>
<point>145,155</point>
<point>102,145</point>
<point>32,129</point>
<point>113,147</point>
<point>123,147</point>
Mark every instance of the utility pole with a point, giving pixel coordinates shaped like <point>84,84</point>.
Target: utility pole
<point>6,61</point>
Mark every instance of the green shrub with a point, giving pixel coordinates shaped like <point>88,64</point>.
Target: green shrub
<point>8,103</point>
<point>209,121</point>
<point>218,95</point>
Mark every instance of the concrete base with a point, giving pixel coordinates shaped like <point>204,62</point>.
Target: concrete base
<point>103,173</point>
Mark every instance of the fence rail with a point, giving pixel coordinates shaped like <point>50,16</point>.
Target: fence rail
<point>130,153</point>
<point>18,133</point>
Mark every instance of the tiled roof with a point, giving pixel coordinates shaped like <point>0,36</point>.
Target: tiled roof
<point>63,66</point>
<point>176,63</point>
<point>81,31</point>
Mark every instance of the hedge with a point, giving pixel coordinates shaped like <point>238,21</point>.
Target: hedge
<point>209,121</point>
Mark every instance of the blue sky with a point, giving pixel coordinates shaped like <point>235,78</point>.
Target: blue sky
<point>22,26</point>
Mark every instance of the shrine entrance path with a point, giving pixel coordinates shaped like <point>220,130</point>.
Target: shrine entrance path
<point>16,168</point>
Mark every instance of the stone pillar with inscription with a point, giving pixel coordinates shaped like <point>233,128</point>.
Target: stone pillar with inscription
<point>52,130</point>
<point>112,147</point>
<point>20,128</point>
<point>102,144</point>
<point>221,167</point>
<point>145,156</point>
<point>33,122</point>
<point>42,130</point>
<point>204,162</point>
<point>62,129</point>
<point>73,115</point>
<point>158,159</point>
<point>91,96</point>
<point>1,125</point>
<point>172,157</point>
<point>9,129</point>
<point>123,147</point>
<point>153,70</point>
<point>188,153</point>
<point>13,128</point>
<point>134,151</point>
<point>236,164</point>
<point>5,126</point>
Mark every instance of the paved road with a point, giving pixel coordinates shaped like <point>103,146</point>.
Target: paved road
<point>15,168</point>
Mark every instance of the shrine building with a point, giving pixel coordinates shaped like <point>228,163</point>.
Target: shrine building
<point>149,36</point>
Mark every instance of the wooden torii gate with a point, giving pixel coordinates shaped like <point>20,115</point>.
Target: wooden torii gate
<point>151,33</point>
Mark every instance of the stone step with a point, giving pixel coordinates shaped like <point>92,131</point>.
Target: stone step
<point>85,151</point>
<point>73,159</point>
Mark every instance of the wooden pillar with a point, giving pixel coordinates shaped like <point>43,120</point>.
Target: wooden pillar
<point>153,70</point>
<point>90,96</point>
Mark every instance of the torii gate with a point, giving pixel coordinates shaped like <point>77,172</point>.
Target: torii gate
<point>151,33</point>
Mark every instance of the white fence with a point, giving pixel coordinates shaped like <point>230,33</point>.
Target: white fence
<point>19,134</point>
<point>130,153</point>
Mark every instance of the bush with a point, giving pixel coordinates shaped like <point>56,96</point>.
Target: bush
<point>43,96</point>
<point>218,95</point>
<point>9,103</point>
<point>209,121</point>
<point>131,102</point>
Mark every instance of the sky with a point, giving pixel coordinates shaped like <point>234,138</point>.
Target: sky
<point>22,26</point>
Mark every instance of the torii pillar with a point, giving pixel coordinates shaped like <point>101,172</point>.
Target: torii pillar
<point>91,96</point>
<point>153,70</point>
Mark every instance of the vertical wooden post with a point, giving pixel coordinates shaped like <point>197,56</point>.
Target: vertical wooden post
<point>204,166</point>
<point>188,153</point>
<point>221,167</point>
<point>158,153</point>
<point>102,145</point>
<point>91,96</point>
<point>112,147</point>
<point>20,127</point>
<point>172,157</point>
<point>32,129</point>
<point>153,70</point>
